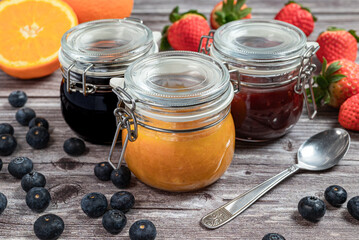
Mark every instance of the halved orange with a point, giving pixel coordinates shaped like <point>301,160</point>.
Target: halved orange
<point>30,35</point>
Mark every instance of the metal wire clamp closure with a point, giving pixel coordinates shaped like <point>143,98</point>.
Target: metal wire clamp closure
<point>82,87</point>
<point>206,47</point>
<point>125,120</point>
<point>235,82</point>
<point>305,77</point>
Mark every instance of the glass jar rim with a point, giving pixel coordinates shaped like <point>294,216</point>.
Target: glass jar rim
<point>177,79</point>
<point>107,45</point>
<point>257,40</point>
<point>179,82</point>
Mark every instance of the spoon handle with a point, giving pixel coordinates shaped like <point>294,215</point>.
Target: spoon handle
<point>230,210</point>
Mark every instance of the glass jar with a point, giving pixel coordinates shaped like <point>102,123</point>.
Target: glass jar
<point>90,55</point>
<point>270,64</point>
<point>178,130</point>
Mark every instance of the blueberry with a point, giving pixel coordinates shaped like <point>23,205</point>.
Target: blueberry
<point>3,202</point>
<point>143,230</point>
<point>273,236</point>
<point>0,164</point>
<point>114,221</point>
<point>103,171</point>
<point>74,146</point>
<point>38,137</point>
<point>122,201</point>
<point>49,226</point>
<point>311,208</point>
<point>33,179</point>
<point>17,98</point>
<point>353,207</point>
<point>38,199</point>
<point>335,195</point>
<point>24,116</point>
<point>39,122</point>
<point>6,128</point>
<point>20,166</point>
<point>121,177</point>
<point>94,204</point>
<point>7,144</point>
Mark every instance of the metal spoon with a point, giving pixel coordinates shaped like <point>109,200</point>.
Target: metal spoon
<point>320,152</point>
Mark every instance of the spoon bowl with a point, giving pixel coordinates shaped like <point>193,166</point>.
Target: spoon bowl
<point>323,150</point>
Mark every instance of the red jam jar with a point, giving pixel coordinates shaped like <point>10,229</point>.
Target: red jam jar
<point>91,54</point>
<point>270,65</point>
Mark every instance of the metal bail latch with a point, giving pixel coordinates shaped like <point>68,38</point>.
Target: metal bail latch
<point>205,49</point>
<point>305,77</point>
<point>235,82</point>
<point>76,86</point>
<point>126,119</point>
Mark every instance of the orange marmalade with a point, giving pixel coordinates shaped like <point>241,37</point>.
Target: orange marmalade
<point>174,107</point>
<point>181,161</point>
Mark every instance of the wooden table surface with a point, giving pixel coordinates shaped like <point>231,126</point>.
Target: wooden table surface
<point>177,215</point>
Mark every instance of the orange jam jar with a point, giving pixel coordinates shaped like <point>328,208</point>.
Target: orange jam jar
<point>174,110</point>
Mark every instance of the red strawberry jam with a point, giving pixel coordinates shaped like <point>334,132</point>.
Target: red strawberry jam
<point>264,114</point>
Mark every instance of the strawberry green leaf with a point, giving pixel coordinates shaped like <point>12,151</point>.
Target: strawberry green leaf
<point>322,82</point>
<point>228,6</point>
<point>174,15</point>
<point>289,2</point>
<point>334,67</point>
<point>239,5</point>
<point>192,11</point>
<point>336,78</point>
<point>333,29</point>
<point>243,13</point>
<point>327,77</point>
<point>326,98</point>
<point>231,17</point>
<point>221,17</point>
<point>324,66</point>
<point>165,29</point>
<point>165,45</point>
<point>231,12</point>
<point>319,94</point>
<point>353,33</point>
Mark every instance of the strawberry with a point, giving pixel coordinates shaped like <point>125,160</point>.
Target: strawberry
<point>349,113</point>
<point>186,31</point>
<point>228,11</point>
<point>336,43</point>
<point>298,16</point>
<point>337,83</point>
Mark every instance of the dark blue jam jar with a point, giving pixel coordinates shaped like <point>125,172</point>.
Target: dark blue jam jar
<point>91,54</point>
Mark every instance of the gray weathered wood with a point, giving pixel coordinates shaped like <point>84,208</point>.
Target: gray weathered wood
<point>177,215</point>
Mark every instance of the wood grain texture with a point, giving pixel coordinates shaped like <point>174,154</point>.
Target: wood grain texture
<point>177,215</point>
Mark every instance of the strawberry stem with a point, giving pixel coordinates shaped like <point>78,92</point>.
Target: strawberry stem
<point>231,12</point>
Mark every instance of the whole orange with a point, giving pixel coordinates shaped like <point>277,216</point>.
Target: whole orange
<point>89,10</point>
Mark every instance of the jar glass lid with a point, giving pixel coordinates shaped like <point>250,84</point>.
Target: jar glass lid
<point>109,40</point>
<point>177,79</point>
<point>259,40</point>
